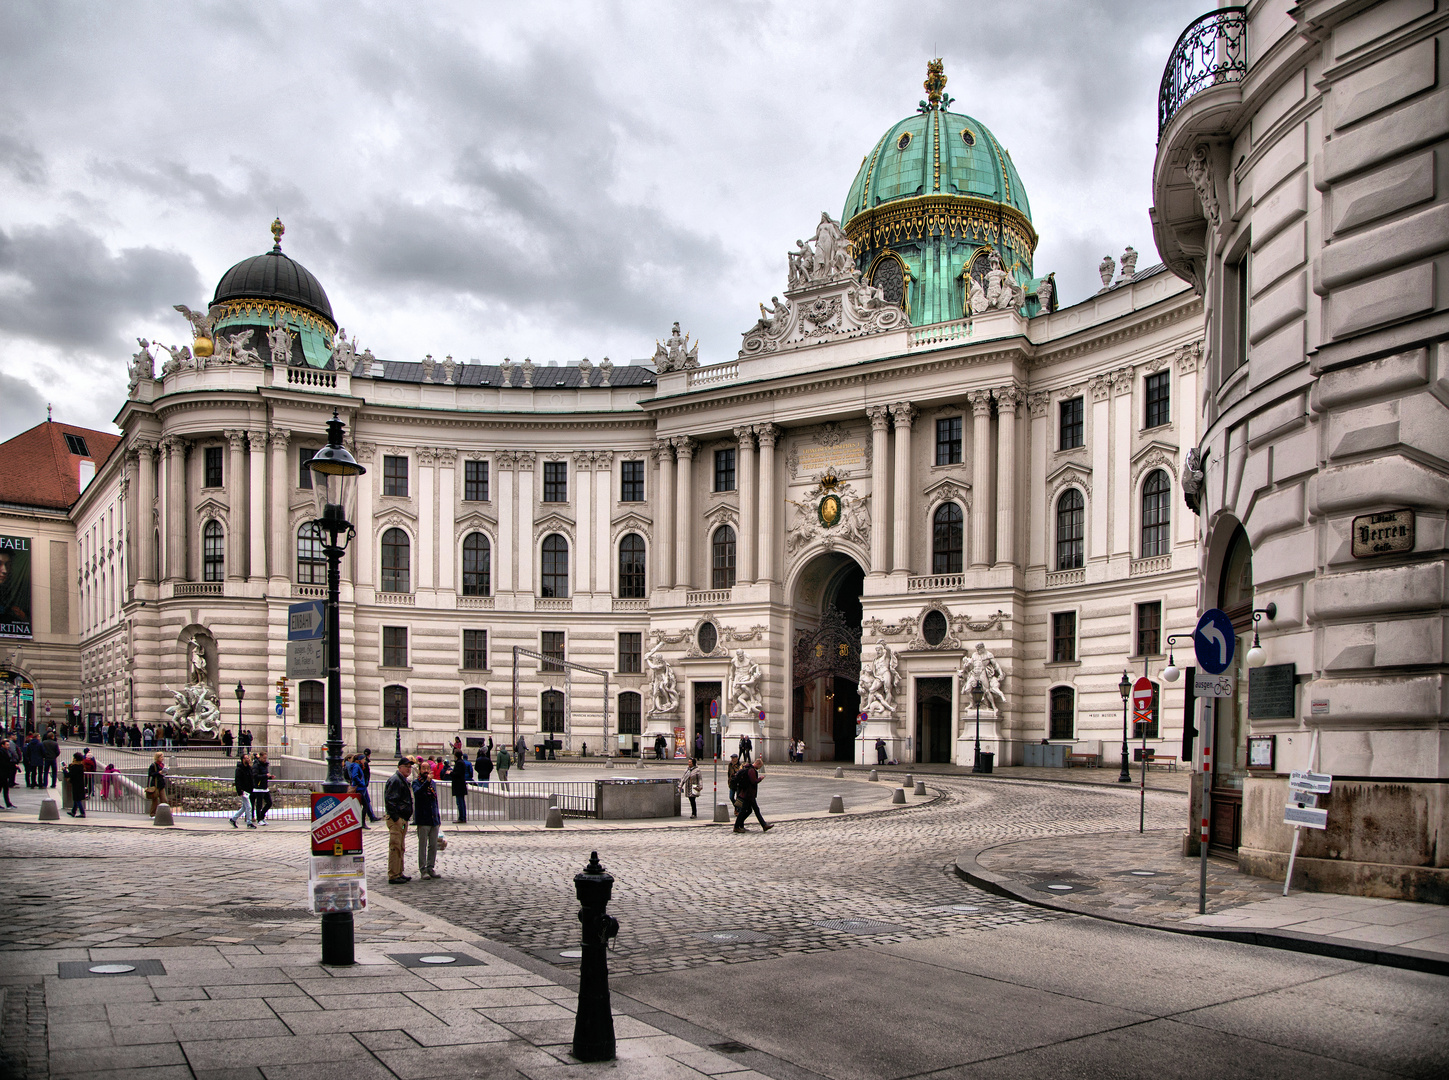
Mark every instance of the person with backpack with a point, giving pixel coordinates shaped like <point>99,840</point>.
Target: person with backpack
<point>484,765</point>
<point>505,760</point>
<point>747,784</point>
<point>462,773</point>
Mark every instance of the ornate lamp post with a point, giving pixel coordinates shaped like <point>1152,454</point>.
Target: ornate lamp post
<point>976,695</point>
<point>334,471</point>
<point>1125,689</point>
<point>241,692</point>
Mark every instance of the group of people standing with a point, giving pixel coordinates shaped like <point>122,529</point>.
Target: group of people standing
<point>410,799</point>
<point>252,781</point>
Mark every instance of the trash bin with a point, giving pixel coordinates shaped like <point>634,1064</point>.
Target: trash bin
<point>538,751</point>
<point>987,758</point>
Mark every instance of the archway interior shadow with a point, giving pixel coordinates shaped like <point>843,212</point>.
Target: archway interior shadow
<point>825,699</point>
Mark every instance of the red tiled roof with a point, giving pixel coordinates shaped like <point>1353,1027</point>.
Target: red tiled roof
<point>37,468</point>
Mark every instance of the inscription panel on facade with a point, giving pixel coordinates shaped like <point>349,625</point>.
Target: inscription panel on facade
<point>1388,533</point>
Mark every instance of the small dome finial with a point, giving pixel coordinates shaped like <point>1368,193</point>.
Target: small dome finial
<point>935,81</point>
<point>277,230</point>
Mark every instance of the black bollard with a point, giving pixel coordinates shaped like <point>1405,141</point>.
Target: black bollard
<point>594,1021</point>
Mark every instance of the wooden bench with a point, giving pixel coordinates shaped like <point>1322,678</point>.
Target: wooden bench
<point>1087,761</point>
<point>1170,760</point>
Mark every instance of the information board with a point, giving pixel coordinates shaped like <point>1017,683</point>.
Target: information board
<point>1273,692</point>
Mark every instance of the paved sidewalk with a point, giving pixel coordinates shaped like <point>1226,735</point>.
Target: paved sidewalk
<point>1144,878</point>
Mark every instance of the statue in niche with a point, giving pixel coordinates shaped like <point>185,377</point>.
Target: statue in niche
<point>745,697</point>
<point>880,677</point>
<point>663,687</point>
<point>979,668</point>
<point>195,709</point>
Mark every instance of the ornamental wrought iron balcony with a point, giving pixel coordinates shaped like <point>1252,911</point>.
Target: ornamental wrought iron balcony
<point>1212,50</point>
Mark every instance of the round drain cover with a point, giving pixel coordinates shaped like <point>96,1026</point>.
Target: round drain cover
<point>437,959</point>
<point>1060,888</point>
<point>724,936</point>
<point>111,969</point>
<point>1143,873</point>
<point>571,954</point>
<point>964,907</point>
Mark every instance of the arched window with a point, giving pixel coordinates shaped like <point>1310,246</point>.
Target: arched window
<point>554,580</point>
<point>312,702</point>
<point>395,706</point>
<point>631,567</point>
<point>1156,514</point>
<point>723,550</point>
<point>475,709</point>
<point>947,539</point>
<point>396,561</point>
<point>1071,530</point>
<point>552,712</point>
<point>477,565</point>
<point>213,552</point>
<point>1063,712</point>
<point>311,562</point>
<point>630,713</point>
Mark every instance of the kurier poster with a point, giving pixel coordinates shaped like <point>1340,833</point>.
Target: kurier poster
<point>15,586</point>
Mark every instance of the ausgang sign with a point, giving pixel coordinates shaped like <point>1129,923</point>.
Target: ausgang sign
<point>1388,533</point>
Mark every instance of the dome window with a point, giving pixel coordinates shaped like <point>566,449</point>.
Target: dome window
<point>904,141</point>
<point>967,137</point>
<point>888,278</point>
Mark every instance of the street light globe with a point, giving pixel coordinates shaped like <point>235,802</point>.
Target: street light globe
<point>1257,656</point>
<point>1171,673</point>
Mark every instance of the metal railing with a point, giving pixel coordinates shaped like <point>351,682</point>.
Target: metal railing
<point>1212,50</point>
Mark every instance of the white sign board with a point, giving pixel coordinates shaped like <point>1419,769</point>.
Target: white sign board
<point>1204,686</point>
<point>337,882</point>
<point>306,660</point>
<point>1315,782</point>
<point>1307,816</point>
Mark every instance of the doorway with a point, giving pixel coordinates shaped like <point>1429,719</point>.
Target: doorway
<point>933,721</point>
<point>825,694</point>
<point>704,693</point>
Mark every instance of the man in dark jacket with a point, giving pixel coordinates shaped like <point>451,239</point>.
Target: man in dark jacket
<point>261,792</point>
<point>243,783</point>
<point>747,786</point>
<point>7,770</point>
<point>51,749</point>
<point>77,774</point>
<point>462,773</point>
<point>397,804</point>
<point>34,757</point>
<point>427,819</point>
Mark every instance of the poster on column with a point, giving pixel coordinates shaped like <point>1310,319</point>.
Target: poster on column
<point>679,750</point>
<point>15,586</point>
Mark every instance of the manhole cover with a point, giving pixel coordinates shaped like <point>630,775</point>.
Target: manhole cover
<point>414,960</point>
<point>731,1047</point>
<point>437,959</point>
<point>726,937</point>
<point>571,954</point>
<point>1062,888</point>
<point>87,969</point>
<point>111,969</point>
<point>860,926</point>
<point>269,914</point>
<point>964,907</point>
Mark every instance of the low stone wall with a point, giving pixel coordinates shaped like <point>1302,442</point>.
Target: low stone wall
<point>615,800</point>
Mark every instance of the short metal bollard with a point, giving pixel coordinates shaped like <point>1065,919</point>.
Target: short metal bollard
<point>554,819</point>
<point>594,1021</point>
<point>839,772</point>
<point>49,810</point>
<point>920,787</point>
<point>837,804</point>
<point>163,815</point>
<point>898,795</point>
<point>873,775</point>
<point>722,812</point>
<point>909,781</point>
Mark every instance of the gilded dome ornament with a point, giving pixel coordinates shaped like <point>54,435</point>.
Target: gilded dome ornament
<point>277,230</point>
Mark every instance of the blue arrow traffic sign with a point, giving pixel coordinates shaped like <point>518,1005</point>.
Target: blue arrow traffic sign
<point>280,709</point>
<point>1214,642</point>
<point>306,621</point>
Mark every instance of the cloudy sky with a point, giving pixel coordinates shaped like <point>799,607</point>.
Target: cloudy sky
<point>487,180</point>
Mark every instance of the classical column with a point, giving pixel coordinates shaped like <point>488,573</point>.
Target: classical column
<point>880,433</point>
<point>903,413</point>
<point>767,434</point>
<point>603,503</point>
<point>1039,405</point>
<point>505,498</point>
<point>257,504</point>
<point>980,478</point>
<point>664,516</point>
<point>1101,432</point>
<point>745,470</point>
<point>1008,506</point>
<point>582,495</point>
<point>449,559</point>
<point>145,524</point>
<point>684,448</point>
<point>281,524</point>
<point>363,549</point>
<point>176,525</point>
<point>427,521</point>
<point>235,503</point>
<point>1121,482</point>
<point>524,541</point>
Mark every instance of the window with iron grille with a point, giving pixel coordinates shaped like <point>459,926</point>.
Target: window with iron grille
<point>1149,628</point>
<point>1072,431</point>
<point>553,648</point>
<point>396,561</point>
<point>477,570</point>
<point>631,481</point>
<point>948,440</point>
<point>395,706</point>
<point>475,709</point>
<point>555,481</point>
<point>553,580</point>
<point>213,552</point>
<point>304,474</point>
<point>394,646</point>
<point>948,539</point>
<point>395,476</point>
<point>631,567</point>
<point>311,560</point>
<point>1063,708</point>
<point>724,470</point>
<point>1071,530</point>
<point>631,653</point>
<point>551,710</point>
<point>213,467</point>
<point>1156,514</point>
<point>630,713</point>
<point>475,650</point>
<point>475,481</point>
<point>312,702</point>
<point>722,550</point>
<point>1064,637</point>
<point>1158,394</point>
<point>1152,727</point>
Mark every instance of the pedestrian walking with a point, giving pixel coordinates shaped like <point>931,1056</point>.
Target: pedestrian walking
<point>7,771</point>
<point>748,784</point>
<point>242,781</point>
<point>155,785</point>
<point>484,765</point>
<point>261,787</point>
<point>462,773</point>
<point>698,745</point>
<point>427,817</point>
<point>77,772</point>
<point>520,751</point>
<point>690,785</point>
<point>397,804</point>
<point>732,771</point>
<point>747,747</point>
<point>357,774</point>
<point>51,766</point>
<point>505,759</point>
<point>367,765</point>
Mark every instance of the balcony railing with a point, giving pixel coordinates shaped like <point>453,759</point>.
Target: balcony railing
<point>1065,577</point>
<point>553,603</point>
<point>196,588</point>
<point>715,373</point>
<point>297,376</point>
<point>1212,50</point>
<point>706,597</point>
<point>630,605</point>
<point>941,333</point>
<point>480,603</point>
<point>405,598</point>
<point>317,591</point>
<point>935,582</point>
<point>1156,564</point>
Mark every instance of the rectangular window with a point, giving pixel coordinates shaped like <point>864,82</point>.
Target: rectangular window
<point>631,654</point>
<point>395,706</point>
<point>475,481</point>
<point>312,702</point>
<point>555,481</point>
<point>1064,637</point>
<point>631,481</point>
<point>395,476</point>
<point>213,467</point>
<point>1235,316</point>
<point>1149,629</point>
<point>1073,433</point>
<point>948,440</point>
<point>724,470</point>
<point>553,648</point>
<point>1158,387</point>
<point>630,713</point>
<point>475,709</point>
<point>394,646</point>
<point>475,650</point>
<point>304,474</point>
<point>77,446</point>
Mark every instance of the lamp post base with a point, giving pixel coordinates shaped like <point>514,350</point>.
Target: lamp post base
<point>337,939</point>
<point>1126,776</point>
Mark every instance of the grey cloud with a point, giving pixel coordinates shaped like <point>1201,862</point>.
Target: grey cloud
<point>21,406</point>
<point>19,158</point>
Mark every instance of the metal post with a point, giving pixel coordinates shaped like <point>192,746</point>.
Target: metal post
<point>976,757</point>
<point>1124,777</point>
<point>1208,730</point>
<point>336,926</point>
<point>594,1020</point>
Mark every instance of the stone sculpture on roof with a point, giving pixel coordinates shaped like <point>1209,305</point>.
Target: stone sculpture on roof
<point>675,353</point>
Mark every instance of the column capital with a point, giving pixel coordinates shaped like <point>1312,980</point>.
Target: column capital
<point>1122,381</point>
<point>1100,387</point>
<point>1037,403</point>
<point>880,417</point>
<point>767,433</point>
<point>583,459</point>
<point>426,456</point>
<point>1009,398</point>
<point>980,402</point>
<point>236,437</point>
<point>746,437</point>
<point>364,451</point>
<point>144,446</point>
<point>447,457</point>
<point>684,447</point>
<point>663,451</point>
<point>904,414</point>
<point>280,437</point>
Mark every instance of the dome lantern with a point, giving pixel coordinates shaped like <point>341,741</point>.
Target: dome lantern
<point>273,290</point>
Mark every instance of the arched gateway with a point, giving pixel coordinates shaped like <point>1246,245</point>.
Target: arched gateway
<point>825,667</point>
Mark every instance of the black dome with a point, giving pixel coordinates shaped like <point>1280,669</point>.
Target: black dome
<point>274,276</point>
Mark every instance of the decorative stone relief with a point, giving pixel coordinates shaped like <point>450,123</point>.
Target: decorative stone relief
<point>1188,357</point>
<point>979,668</point>
<point>606,368</point>
<point>1122,381</point>
<point>880,677</point>
<point>142,366</point>
<point>1201,170</point>
<point>428,364</point>
<point>882,629</point>
<point>1037,404</point>
<point>1157,363</point>
<point>1106,268</point>
<point>744,689</point>
<point>1100,387</point>
<point>1155,458</point>
<point>663,686</point>
<point>585,370</point>
<point>279,346</point>
<point>811,524</point>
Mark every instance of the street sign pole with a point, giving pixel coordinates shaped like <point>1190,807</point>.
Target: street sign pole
<point>1207,726</point>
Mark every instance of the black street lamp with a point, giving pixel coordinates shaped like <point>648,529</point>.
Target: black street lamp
<point>1125,689</point>
<point>976,695</point>
<point>334,471</point>
<point>241,692</point>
